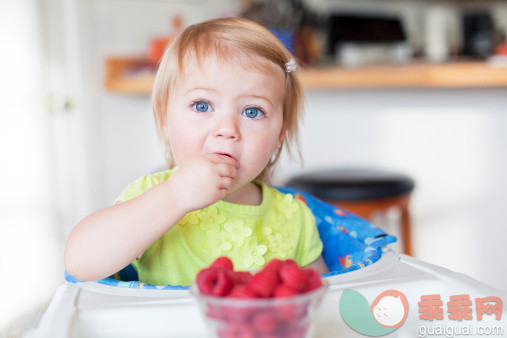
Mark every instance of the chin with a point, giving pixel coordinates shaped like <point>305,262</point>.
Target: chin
<point>238,185</point>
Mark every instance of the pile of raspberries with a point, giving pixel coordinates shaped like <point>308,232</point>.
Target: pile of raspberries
<point>278,279</point>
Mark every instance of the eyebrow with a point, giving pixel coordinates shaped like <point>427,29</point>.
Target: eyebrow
<point>199,88</point>
<point>261,98</point>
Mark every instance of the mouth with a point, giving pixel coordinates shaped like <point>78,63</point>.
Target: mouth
<point>225,154</point>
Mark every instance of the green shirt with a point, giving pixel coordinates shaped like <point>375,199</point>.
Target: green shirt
<point>280,227</point>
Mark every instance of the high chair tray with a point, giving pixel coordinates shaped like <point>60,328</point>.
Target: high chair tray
<point>90,309</point>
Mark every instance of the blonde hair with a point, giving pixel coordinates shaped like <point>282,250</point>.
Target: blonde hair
<point>247,42</point>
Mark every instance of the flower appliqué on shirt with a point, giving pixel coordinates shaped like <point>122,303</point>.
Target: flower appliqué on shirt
<point>237,231</point>
<point>210,220</point>
<point>266,231</point>
<point>191,218</point>
<point>217,243</point>
<point>278,223</point>
<point>278,245</point>
<point>254,254</point>
<point>287,205</point>
<point>276,242</point>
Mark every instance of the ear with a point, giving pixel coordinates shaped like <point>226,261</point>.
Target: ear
<point>282,133</point>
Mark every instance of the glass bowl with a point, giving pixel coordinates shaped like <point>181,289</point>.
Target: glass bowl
<point>260,317</point>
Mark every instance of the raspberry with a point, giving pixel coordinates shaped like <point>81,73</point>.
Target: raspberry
<point>270,335</point>
<point>236,330</point>
<point>241,292</point>
<point>274,265</point>
<point>283,291</point>
<point>289,312</point>
<point>214,281</point>
<point>263,283</point>
<point>292,313</point>
<point>239,313</point>
<point>293,276</point>
<point>313,281</point>
<point>222,262</point>
<point>239,316</point>
<point>265,322</point>
<point>215,311</point>
<point>240,277</point>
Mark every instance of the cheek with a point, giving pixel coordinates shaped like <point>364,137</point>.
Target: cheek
<point>176,146</point>
<point>180,140</point>
<point>277,136</point>
<point>184,146</point>
<point>266,145</point>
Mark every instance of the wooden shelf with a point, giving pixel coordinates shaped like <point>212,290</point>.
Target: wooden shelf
<point>129,75</point>
<point>448,75</point>
<point>135,76</point>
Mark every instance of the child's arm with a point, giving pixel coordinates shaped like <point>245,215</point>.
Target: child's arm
<point>319,265</point>
<point>109,239</point>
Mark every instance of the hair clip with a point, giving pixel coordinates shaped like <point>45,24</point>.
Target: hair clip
<point>290,66</point>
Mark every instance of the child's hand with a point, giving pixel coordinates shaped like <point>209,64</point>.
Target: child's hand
<point>203,181</point>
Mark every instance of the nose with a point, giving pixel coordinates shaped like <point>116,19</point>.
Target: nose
<point>227,128</point>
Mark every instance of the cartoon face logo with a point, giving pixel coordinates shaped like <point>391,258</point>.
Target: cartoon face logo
<point>385,315</point>
<point>390,308</point>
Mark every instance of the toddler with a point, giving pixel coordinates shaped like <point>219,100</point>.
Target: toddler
<point>226,101</point>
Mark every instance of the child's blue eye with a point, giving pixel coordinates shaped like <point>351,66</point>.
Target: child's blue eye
<point>202,107</point>
<point>253,113</point>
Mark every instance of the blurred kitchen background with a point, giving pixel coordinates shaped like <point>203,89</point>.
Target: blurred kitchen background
<point>417,87</point>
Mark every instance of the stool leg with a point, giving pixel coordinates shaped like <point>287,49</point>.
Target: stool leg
<point>406,231</point>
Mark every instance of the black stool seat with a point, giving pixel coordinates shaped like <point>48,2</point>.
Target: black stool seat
<point>353,184</point>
